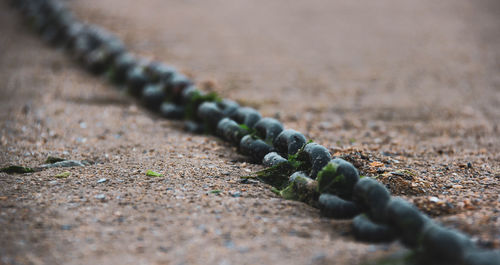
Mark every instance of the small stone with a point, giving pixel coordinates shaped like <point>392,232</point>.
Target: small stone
<point>100,197</point>
<point>102,180</point>
<point>53,182</point>
<point>248,181</point>
<point>434,199</point>
<point>66,227</point>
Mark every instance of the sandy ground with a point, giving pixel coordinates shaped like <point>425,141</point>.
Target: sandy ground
<point>406,90</point>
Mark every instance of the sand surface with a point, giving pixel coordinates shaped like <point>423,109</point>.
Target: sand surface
<point>406,90</point>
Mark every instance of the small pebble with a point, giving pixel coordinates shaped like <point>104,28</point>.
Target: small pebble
<point>434,199</point>
<point>53,182</point>
<point>66,227</point>
<point>102,180</point>
<point>101,197</point>
<point>248,181</point>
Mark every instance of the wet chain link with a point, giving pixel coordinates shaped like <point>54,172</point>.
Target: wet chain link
<point>330,184</point>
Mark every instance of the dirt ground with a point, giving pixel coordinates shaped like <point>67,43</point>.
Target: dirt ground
<point>408,91</point>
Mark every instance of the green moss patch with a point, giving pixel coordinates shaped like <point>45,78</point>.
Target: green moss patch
<point>62,175</point>
<point>17,169</point>
<point>151,173</point>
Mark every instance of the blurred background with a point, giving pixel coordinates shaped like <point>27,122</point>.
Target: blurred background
<point>384,60</point>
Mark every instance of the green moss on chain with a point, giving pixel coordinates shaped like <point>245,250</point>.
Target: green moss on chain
<point>301,158</point>
<point>328,177</point>
<point>278,175</point>
<point>17,169</point>
<point>251,131</point>
<point>196,100</point>
<point>289,192</point>
<point>276,191</point>
<point>298,160</point>
<point>301,188</point>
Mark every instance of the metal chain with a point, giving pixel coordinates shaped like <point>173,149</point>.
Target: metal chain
<point>297,169</point>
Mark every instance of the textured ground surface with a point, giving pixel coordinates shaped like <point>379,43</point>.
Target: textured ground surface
<point>407,90</point>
